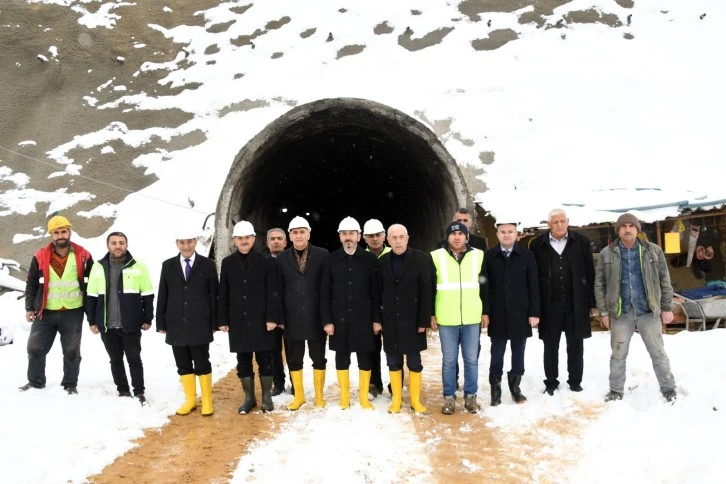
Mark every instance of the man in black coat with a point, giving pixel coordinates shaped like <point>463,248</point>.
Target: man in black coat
<point>186,313</point>
<point>350,309</point>
<point>513,308</point>
<point>567,298</point>
<point>276,243</point>
<point>300,269</point>
<point>405,283</point>
<point>248,309</point>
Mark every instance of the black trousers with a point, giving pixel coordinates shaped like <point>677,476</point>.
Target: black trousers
<point>316,350</point>
<point>498,348</point>
<point>413,361</point>
<point>69,324</point>
<point>375,357</point>
<point>278,365</point>
<point>119,343</point>
<point>192,359</point>
<point>342,360</point>
<point>264,363</point>
<point>562,320</point>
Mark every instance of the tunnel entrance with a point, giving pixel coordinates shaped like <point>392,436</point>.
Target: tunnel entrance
<point>337,157</point>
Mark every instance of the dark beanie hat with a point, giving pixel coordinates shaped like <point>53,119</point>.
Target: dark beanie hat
<point>457,227</point>
<point>627,218</point>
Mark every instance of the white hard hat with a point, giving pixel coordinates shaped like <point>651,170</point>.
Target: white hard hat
<point>186,233</point>
<point>373,226</point>
<point>349,223</point>
<point>298,223</point>
<point>243,229</point>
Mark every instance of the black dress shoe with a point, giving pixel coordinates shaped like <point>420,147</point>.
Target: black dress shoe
<point>277,390</point>
<point>550,390</point>
<point>575,387</point>
<point>142,400</point>
<point>124,394</point>
<point>71,390</point>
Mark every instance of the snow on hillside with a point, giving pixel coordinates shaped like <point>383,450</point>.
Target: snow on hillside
<point>580,106</point>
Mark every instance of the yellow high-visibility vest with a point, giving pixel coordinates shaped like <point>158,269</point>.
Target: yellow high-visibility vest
<point>457,288</point>
<point>64,291</point>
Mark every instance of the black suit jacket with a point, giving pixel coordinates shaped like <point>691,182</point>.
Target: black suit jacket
<point>187,310</point>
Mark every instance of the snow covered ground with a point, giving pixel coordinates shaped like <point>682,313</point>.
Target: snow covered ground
<point>581,110</point>
<point>49,436</point>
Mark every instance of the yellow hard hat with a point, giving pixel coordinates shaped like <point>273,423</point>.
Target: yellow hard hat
<point>57,222</point>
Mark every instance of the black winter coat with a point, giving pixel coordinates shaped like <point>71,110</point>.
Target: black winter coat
<point>300,293</point>
<point>513,292</point>
<point>405,302</point>
<point>248,300</point>
<point>187,310</point>
<point>349,299</point>
<point>582,267</point>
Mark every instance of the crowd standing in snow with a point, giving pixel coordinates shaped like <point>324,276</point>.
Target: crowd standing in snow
<point>360,301</point>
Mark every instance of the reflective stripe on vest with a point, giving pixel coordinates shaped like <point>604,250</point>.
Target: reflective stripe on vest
<point>65,291</point>
<point>457,288</point>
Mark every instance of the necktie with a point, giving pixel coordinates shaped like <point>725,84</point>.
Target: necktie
<point>187,269</point>
<point>506,253</point>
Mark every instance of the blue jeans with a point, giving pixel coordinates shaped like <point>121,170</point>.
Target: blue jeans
<point>499,346</point>
<point>651,331</point>
<point>451,337</point>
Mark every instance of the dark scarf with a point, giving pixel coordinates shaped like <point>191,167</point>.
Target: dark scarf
<point>301,258</point>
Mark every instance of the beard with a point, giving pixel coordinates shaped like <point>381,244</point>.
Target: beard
<point>61,243</point>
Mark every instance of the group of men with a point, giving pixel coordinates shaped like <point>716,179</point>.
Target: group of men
<point>360,300</point>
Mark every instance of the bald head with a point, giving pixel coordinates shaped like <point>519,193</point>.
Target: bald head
<point>398,238</point>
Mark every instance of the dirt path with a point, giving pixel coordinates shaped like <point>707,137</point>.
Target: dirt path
<point>461,447</point>
<point>193,448</point>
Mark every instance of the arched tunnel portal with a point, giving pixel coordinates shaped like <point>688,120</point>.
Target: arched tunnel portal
<point>341,157</point>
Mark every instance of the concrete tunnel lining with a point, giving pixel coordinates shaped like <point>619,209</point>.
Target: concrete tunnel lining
<point>338,157</point>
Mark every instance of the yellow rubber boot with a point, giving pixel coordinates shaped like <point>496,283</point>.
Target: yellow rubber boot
<point>297,383</point>
<point>344,384</point>
<point>205,382</point>
<point>189,384</point>
<point>414,385</point>
<point>319,382</point>
<point>396,390</point>
<point>365,381</point>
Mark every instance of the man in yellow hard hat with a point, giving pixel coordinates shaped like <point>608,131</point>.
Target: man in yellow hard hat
<point>55,294</point>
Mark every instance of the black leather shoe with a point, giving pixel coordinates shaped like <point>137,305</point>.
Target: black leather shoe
<point>71,390</point>
<point>124,394</point>
<point>575,387</point>
<point>142,400</point>
<point>550,390</point>
<point>277,390</point>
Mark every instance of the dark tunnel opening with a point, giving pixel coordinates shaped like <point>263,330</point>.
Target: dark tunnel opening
<point>342,157</point>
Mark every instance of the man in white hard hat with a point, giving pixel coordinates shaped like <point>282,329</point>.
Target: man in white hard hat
<point>300,269</point>
<point>351,309</point>
<point>249,310</point>
<point>186,312</point>
<point>374,234</point>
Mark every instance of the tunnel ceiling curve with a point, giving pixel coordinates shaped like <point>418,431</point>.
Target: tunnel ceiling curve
<point>342,157</point>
